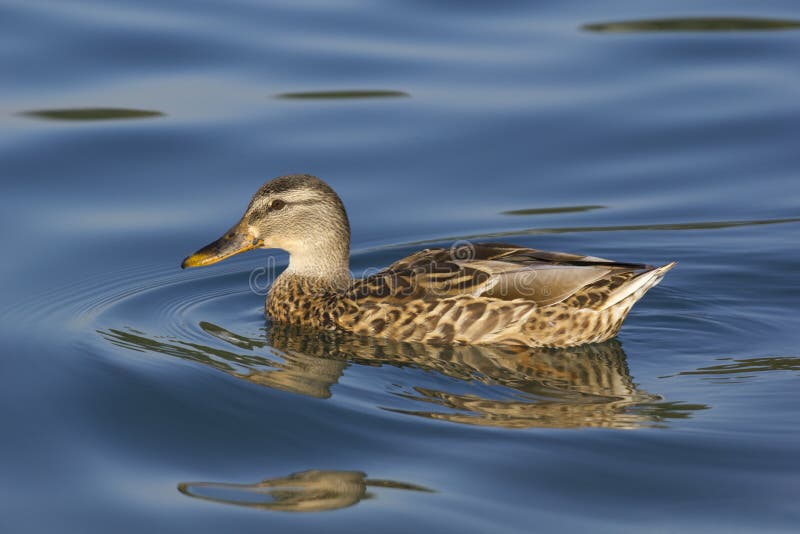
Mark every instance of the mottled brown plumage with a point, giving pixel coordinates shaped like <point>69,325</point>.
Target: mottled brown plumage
<point>473,293</point>
<point>502,294</point>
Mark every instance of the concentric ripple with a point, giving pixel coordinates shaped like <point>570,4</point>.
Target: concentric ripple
<point>213,318</point>
<point>160,299</point>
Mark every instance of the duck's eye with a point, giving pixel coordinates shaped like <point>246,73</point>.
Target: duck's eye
<point>276,205</point>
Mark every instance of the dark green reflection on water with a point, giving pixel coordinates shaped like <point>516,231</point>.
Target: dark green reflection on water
<point>702,225</point>
<point>308,491</point>
<point>547,211</point>
<point>342,95</point>
<point>699,24</point>
<point>749,365</point>
<point>92,114</point>
<point>587,386</point>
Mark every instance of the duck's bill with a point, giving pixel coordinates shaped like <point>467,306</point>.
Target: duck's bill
<point>235,240</point>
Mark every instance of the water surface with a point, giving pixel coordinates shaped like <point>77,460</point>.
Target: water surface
<point>136,396</point>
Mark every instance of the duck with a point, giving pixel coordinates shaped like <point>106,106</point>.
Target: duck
<point>468,293</point>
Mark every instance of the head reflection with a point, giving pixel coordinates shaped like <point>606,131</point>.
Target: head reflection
<point>307,491</point>
<point>496,386</point>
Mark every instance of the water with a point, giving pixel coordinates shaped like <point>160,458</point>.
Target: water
<point>135,396</point>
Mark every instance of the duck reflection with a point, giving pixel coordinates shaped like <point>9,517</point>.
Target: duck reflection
<point>307,491</point>
<point>497,386</point>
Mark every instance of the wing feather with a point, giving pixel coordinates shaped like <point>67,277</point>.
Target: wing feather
<point>494,270</point>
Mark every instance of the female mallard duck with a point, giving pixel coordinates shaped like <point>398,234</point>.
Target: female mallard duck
<point>472,293</point>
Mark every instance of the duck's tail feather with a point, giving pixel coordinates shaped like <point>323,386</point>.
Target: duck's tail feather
<point>637,286</point>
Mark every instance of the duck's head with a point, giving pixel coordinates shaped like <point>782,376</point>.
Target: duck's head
<point>298,213</point>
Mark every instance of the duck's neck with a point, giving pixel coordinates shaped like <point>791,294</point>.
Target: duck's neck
<point>323,266</point>
<point>306,296</point>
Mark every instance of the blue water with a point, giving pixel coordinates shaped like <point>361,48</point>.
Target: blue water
<point>135,396</point>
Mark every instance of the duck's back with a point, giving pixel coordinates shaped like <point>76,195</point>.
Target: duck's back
<point>496,293</point>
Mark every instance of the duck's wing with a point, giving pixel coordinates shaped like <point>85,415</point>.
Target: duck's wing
<point>494,270</point>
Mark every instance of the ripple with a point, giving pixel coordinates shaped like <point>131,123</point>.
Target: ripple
<point>159,298</point>
<point>343,95</point>
<point>548,211</point>
<point>212,318</point>
<point>746,366</point>
<point>699,225</point>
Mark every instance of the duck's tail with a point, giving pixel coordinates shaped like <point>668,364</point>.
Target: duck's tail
<point>637,286</point>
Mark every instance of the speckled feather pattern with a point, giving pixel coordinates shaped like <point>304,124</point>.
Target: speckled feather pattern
<point>442,296</point>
